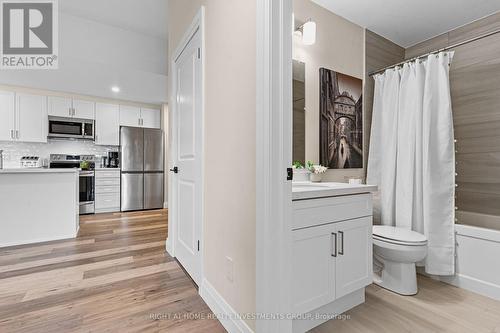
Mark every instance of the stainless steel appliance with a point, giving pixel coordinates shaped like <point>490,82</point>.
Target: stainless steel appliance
<point>1,159</point>
<point>87,177</point>
<point>60,127</point>
<point>141,168</point>
<point>113,159</point>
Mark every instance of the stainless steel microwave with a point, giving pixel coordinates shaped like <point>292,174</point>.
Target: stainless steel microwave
<point>71,128</point>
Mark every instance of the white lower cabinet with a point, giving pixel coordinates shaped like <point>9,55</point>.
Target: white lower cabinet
<point>107,190</point>
<point>313,268</point>
<point>332,259</point>
<point>354,256</point>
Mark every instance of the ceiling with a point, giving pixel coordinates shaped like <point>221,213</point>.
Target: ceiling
<point>143,16</point>
<point>408,22</point>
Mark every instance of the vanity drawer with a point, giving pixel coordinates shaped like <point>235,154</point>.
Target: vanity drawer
<point>312,212</point>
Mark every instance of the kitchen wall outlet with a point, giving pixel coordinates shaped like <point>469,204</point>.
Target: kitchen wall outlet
<point>229,269</point>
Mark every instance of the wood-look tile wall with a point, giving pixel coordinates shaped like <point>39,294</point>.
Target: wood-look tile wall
<point>475,91</point>
<point>379,53</point>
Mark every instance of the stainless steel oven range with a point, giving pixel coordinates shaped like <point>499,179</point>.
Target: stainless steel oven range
<point>87,177</point>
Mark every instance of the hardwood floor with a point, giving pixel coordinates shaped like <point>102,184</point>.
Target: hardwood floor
<point>438,307</point>
<point>114,277</point>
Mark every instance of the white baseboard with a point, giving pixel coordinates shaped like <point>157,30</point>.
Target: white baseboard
<point>40,240</point>
<point>326,312</point>
<point>228,317</point>
<point>168,247</point>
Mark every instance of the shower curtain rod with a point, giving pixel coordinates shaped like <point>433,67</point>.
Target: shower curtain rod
<point>436,51</point>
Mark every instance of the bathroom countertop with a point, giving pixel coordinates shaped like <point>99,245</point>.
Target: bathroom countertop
<point>310,190</point>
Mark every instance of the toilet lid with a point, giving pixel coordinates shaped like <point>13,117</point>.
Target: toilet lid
<point>398,234</point>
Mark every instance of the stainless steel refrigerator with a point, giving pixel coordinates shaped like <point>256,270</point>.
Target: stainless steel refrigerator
<point>141,163</point>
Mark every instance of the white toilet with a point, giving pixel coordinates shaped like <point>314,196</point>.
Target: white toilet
<point>395,252</point>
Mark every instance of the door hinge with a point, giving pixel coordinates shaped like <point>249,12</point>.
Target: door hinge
<point>198,246</point>
<point>199,53</point>
<point>289,174</point>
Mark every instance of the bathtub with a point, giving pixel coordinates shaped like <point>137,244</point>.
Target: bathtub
<point>477,261</point>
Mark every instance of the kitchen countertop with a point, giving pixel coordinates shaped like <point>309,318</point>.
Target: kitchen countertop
<point>37,170</point>
<point>310,190</point>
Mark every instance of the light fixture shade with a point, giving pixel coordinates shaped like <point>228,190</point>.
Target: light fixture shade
<point>309,33</point>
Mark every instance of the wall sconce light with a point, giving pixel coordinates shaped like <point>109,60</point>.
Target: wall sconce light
<point>308,32</point>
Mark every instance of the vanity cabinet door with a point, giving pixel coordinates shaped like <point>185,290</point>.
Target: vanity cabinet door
<point>354,268</point>
<point>313,262</point>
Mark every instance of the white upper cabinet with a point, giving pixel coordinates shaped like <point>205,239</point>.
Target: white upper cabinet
<point>139,117</point>
<point>151,118</point>
<point>83,109</point>
<point>7,115</point>
<point>73,108</point>
<point>130,116</point>
<point>31,118</point>
<point>60,107</point>
<point>107,124</point>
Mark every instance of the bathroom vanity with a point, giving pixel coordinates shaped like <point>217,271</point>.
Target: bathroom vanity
<point>331,250</point>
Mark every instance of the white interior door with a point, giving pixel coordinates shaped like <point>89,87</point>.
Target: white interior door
<point>187,156</point>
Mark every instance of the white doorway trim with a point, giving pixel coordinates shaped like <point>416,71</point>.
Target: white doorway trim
<point>197,25</point>
<point>274,156</point>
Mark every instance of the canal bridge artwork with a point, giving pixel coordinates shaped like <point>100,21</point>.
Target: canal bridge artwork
<point>341,120</point>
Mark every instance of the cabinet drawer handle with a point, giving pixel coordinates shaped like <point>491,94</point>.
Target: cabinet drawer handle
<point>334,244</point>
<point>341,251</point>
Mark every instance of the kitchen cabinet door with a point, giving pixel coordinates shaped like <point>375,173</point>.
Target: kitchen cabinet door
<point>151,118</point>
<point>107,124</point>
<point>130,116</point>
<point>313,268</point>
<point>83,109</point>
<point>354,259</point>
<point>60,107</point>
<point>7,115</point>
<point>31,118</point>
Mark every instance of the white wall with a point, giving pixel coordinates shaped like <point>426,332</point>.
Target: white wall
<point>230,142</point>
<point>340,47</point>
<point>94,56</point>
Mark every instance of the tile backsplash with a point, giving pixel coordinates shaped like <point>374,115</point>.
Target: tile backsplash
<point>13,151</point>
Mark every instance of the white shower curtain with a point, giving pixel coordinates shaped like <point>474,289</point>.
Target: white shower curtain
<point>412,155</point>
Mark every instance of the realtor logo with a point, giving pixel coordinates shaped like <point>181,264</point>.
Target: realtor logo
<point>29,34</point>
